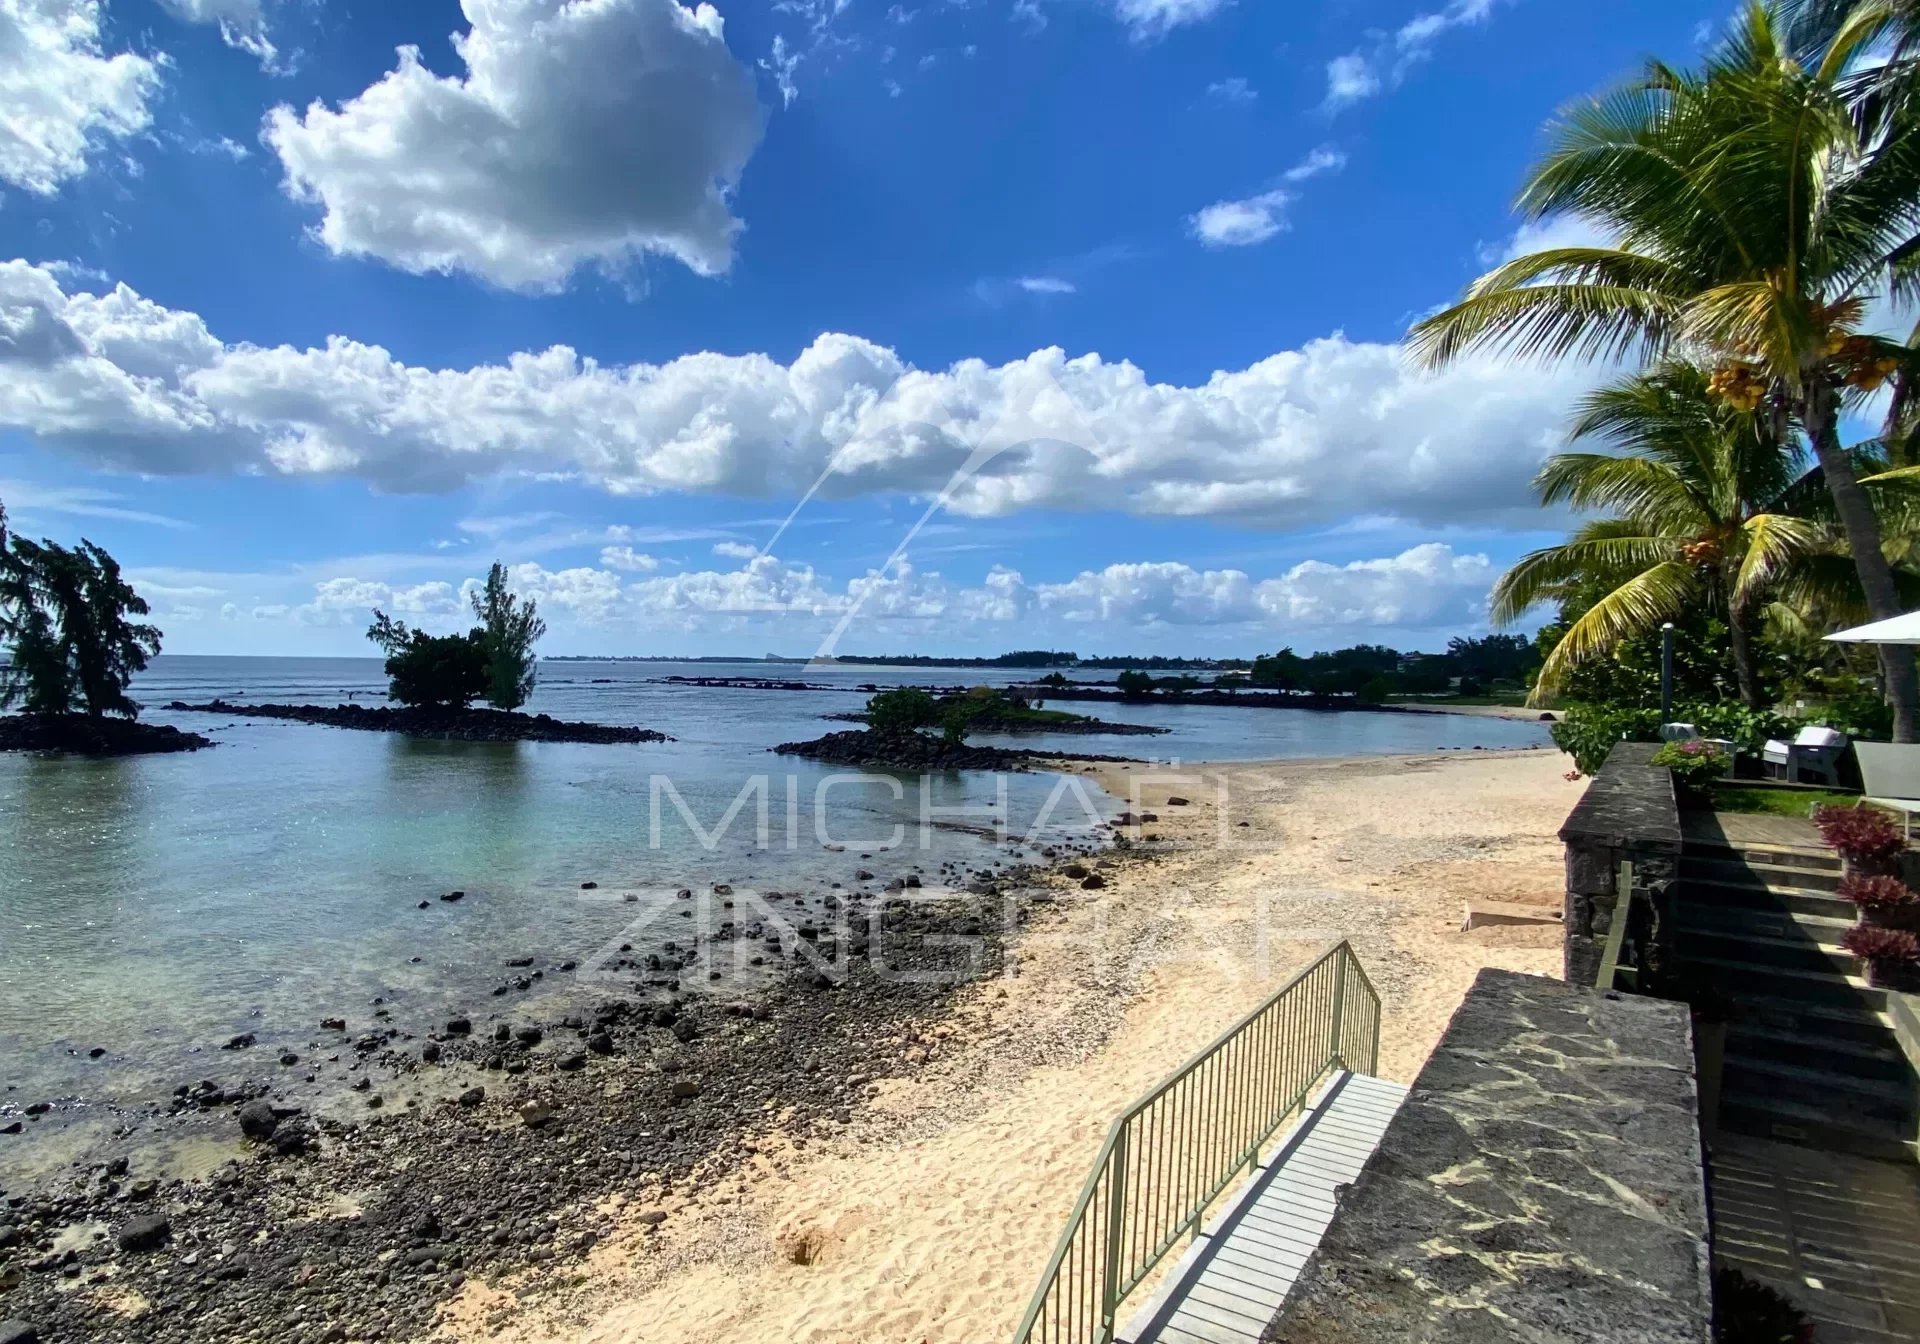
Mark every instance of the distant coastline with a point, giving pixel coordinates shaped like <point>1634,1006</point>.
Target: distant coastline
<point>1006,662</point>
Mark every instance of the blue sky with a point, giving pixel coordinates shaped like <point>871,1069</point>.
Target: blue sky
<point>604,287</point>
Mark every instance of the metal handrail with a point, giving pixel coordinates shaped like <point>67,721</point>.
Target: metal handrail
<point>1610,955</point>
<point>1171,1154</point>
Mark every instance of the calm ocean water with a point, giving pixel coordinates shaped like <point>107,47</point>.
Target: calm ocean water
<point>155,906</point>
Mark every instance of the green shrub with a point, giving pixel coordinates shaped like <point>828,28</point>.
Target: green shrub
<point>1866,716</point>
<point>1588,732</point>
<point>954,725</point>
<point>448,671</point>
<point>903,708</point>
<point>1134,685</point>
<point>1747,729</point>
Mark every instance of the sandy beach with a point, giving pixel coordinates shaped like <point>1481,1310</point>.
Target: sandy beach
<point>929,1214</point>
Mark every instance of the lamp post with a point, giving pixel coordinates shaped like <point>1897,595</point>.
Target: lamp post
<point>1666,673</point>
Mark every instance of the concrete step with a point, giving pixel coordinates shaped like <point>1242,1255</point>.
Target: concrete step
<point>1813,854</point>
<point>1791,951</point>
<point>1743,980</point>
<point>1831,1092</point>
<point>1841,1025</point>
<point>1824,929</point>
<point>1822,1048</point>
<point>1816,1127</point>
<point>1731,866</point>
<point>1743,895</point>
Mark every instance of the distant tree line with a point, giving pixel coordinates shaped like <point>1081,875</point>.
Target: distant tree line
<point>1369,672</point>
<point>66,621</point>
<point>1470,666</point>
<point>1018,658</point>
<point>492,661</point>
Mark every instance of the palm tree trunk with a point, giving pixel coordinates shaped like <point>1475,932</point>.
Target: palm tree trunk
<point>1745,673</point>
<point>1862,527</point>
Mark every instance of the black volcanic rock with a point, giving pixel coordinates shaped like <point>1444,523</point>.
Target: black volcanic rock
<point>450,725</point>
<point>80,735</point>
<point>904,749</point>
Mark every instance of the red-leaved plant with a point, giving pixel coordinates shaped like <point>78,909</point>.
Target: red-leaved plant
<point>1892,955</point>
<point>1863,835</point>
<point>1884,901</point>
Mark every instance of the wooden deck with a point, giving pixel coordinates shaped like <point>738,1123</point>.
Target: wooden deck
<point>1232,1281</point>
<point>1837,1234</point>
<point>1755,830</point>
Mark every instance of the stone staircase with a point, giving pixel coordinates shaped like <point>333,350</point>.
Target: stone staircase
<point>1811,1054</point>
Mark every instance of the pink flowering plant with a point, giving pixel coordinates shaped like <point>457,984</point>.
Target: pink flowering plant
<point>1695,764</point>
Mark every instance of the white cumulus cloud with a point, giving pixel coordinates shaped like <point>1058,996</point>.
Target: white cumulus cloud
<point>1234,90</point>
<point>626,558</point>
<point>1428,587</point>
<point>584,133</point>
<point>242,24</point>
<point>61,95</point>
<point>1305,435</point>
<point>1151,19</point>
<point>1255,219</point>
<point>1242,223</point>
<point>1382,64</point>
<point>1349,79</point>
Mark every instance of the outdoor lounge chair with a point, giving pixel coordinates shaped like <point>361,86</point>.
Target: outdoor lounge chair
<point>1890,773</point>
<point>1813,751</point>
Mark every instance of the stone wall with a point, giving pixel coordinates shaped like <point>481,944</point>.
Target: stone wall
<point>1542,1183</point>
<point>1629,814</point>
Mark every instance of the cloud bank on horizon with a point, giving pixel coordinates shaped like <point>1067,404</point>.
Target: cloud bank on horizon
<point>575,160</point>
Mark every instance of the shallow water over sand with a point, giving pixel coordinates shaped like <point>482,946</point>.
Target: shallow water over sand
<point>154,907</point>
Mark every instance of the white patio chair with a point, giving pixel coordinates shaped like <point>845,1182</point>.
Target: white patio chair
<point>1813,751</point>
<point>1890,774</point>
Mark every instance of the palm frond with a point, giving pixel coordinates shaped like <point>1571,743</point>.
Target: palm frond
<point>1590,322</point>
<point>1636,606</point>
<point>1539,575</point>
<point>1774,542</point>
<point>1642,488</point>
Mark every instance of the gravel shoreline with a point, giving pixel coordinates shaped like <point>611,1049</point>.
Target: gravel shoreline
<point>357,1227</point>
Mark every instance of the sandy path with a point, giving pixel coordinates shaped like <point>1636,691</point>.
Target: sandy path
<point>930,1215</point>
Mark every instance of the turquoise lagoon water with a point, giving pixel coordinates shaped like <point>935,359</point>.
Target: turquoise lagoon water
<point>154,906</point>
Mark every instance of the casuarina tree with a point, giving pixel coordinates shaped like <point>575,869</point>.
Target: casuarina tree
<point>65,613</point>
<point>510,627</point>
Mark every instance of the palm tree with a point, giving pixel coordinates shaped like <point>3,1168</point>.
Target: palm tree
<point>1753,222</point>
<point>1817,24</point>
<point>1690,483</point>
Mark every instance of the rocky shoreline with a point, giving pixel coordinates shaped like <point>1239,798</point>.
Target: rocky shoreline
<point>448,725</point>
<point>79,735</point>
<point>904,749</point>
<point>1075,727</point>
<point>542,1139</point>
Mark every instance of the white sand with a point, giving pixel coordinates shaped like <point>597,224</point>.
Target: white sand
<point>930,1217</point>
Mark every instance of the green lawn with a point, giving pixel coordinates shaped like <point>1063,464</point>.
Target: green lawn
<point>1778,802</point>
